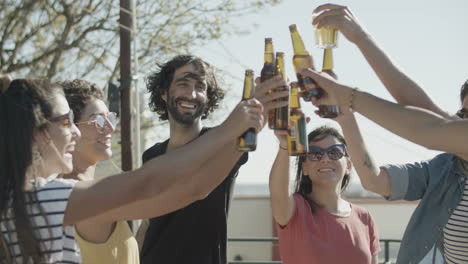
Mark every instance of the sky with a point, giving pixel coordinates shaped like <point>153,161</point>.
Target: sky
<point>427,39</point>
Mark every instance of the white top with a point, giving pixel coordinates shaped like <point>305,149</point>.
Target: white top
<point>456,232</point>
<point>58,242</point>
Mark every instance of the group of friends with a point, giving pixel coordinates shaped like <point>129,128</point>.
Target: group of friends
<point>52,135</point>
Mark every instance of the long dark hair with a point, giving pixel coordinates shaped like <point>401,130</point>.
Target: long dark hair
<point>25,107</point>
<point>303,184</point>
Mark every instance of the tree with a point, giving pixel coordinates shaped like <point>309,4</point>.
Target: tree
<point>80,39</point>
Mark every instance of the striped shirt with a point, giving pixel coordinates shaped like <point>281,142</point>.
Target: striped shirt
<point>456,232</point>
<point>58,242</point>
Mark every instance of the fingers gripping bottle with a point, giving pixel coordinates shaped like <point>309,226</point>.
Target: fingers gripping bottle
<point>248,140</point>
<point>297,136</point>
<point>281,121</point>
<point>303,59</point>
<point>328,111</point>
<point>268,72</point>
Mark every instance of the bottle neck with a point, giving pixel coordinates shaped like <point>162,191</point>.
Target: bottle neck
<point>298,44</point>
<point>269,58</point>
<point>294,98</point>
<point>248,87</point>
<point>280,67</point>
<point>327,60</point>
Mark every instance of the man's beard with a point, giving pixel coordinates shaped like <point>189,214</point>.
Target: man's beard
<point>185,118</point>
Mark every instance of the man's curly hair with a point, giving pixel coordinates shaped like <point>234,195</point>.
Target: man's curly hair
<point>78,93</point>
<point>464,91</point>
<point>159,82</point>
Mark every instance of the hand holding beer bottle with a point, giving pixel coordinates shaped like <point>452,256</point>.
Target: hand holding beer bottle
<point>297,136</point>
<point>341,18</point>
<point>269,88</point>
<point>309,88</point>
<point>281,120</point>
<point>328,111</point>
<point>303,59</point>
<point>248,140</point>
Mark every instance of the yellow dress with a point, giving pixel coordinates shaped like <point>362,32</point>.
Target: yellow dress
<point>120,248</point>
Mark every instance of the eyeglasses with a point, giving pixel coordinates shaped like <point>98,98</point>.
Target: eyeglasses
<point>103,122</point>
<point>67,118</point>
<point>463,113</point>
<point>334,152</point>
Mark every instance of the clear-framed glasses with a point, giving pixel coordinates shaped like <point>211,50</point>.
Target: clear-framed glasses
<point>66,119</point>
<point>463,113</point>
<point>334,152</point>
<point>103,122</point>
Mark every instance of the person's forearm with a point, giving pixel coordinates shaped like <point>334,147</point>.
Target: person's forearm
<point>178,163</point>
<point>146,199</point>
<point>214,170</point>
<point>418,125</point>
<point>279,187</point>
<point>400,85</point>
<point>365,166</point>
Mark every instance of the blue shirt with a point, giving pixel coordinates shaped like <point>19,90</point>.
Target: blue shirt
<point>439,184</point>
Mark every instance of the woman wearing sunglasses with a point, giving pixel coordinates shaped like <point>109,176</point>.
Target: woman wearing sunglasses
<point>315,224</point>
<point>40,215</point>
<point>110,242</point>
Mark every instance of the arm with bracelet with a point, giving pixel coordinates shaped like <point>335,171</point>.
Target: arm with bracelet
<point>282,201</point>
<point>402,87</point>
<point>418,125</point>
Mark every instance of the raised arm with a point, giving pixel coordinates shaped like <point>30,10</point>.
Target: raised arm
<point>177,178</point>
<point>404,89</point>
<point>282,201</point>
<point>196,186</point>
<point>418,125</point>
<point>372,177</point>
<point>160,174</point>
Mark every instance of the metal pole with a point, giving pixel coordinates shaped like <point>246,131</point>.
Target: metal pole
<point>137,89</point>
<point>126,83</point>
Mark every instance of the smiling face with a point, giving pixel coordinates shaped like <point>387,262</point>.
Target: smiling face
<point>186,97</point>
<point>94,144</point>
<point>57,143</point>
<point>326,172</point>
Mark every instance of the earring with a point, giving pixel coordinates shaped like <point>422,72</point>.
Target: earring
<point>33,178</point>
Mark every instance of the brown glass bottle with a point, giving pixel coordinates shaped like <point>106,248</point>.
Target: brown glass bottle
<point>268,71</point>
<point>297,136</point>
<point>248,140</point>
<point>281,120</point>
<point>328,111</point>
<point>303,59</point>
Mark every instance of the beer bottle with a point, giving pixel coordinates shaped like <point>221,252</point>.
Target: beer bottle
<point>328,111</point>
<point>268,71</point>
<point>281,121</point>
<point>248,140</point>
<point>297,136</point>
<point>303,59</point>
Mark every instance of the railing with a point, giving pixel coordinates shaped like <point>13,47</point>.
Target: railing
<point>386,249</point>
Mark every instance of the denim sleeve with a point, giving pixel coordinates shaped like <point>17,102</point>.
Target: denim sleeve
<point>409,181</point>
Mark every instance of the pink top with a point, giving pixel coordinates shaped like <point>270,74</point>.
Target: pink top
<point>327,238</point>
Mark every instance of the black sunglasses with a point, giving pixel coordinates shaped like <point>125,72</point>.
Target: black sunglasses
<point>462,113</point>
<point>66,118</point>
<point>334,152</point>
